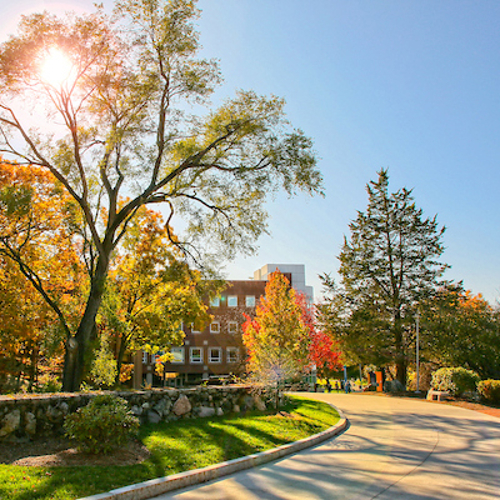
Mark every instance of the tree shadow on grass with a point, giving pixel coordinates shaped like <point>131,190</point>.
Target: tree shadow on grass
<point>175,447</point>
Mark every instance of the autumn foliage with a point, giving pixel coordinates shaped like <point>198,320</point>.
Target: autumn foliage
<point>282,341</point>
<point>44,280</point>
<point>323,351</point>
<point>41,274</point>
<point>150,292</point>
<point>460,328</point>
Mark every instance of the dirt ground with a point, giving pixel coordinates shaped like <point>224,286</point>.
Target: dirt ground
<point>60,452</point>
<point>494,412</point>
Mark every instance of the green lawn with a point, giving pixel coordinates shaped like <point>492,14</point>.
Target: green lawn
<point>175,447</point>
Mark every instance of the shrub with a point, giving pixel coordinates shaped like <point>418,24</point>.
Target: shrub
<point>393,386</point>
<point>456,381</point>
<point>103,370</point>
<point>490,391</point>
<point>103,425</point>
<point>51,386</point>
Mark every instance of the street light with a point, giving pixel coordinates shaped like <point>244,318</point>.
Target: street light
<point>417,319</point>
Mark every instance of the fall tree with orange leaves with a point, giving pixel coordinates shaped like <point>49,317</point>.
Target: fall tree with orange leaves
<point>276,339</point>
<point>42,277</point>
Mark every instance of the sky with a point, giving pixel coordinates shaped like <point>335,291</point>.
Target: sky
<point>410,86</point>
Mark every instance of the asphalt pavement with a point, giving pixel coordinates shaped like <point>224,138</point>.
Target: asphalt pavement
<point>393,449</point>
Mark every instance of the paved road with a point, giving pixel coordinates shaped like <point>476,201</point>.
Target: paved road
<point>393,449</point>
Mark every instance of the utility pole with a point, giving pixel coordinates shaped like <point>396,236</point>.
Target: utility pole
<point>417,319</point>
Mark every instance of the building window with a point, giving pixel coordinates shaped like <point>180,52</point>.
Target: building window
<point>214,355</point>
<point>232,354</point>
<point>144,358</point>
<point>214,327</point>
<point>232,327</point>
<point>177,355</point>
<point>195,328</point>
<point>215,302</point>
<point>232,301</point>
<point>196,355</point>
<point>250,301</point>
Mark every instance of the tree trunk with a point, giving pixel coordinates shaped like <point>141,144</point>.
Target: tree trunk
<point>33,370</point>
<point>119,358</point>
<point>400,357</point>
<point>401,371</point>
<point>77,346</point>
<point>277,397</point>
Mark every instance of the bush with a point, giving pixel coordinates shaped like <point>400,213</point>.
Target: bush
<point>51,386</point>
<point>490,391</point>
<point>103,370</point>
<point>103,425</point>
<point>393,386</point>
<point>456,381</point>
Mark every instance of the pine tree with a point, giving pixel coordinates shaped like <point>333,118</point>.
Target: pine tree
<point>388,265</point>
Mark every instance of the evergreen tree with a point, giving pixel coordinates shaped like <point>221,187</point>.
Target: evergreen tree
<point>388,265</point>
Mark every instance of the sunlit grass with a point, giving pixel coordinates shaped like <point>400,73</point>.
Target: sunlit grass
<point>175,447</point>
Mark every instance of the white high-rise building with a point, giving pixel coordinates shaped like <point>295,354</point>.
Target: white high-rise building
<point>297,273</point>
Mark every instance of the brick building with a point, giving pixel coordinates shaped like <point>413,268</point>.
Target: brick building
<point>216,350</point>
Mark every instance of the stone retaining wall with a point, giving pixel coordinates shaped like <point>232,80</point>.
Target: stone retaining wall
<point>39,416</point>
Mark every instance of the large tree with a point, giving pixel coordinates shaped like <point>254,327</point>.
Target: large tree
<point>151,292</point>
<point>109,100</point>
<point>387,266</point>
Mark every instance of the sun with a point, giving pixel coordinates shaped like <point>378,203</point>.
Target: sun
<point>56,68</point>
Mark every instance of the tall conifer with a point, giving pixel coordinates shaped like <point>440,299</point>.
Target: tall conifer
<point>389,263</point>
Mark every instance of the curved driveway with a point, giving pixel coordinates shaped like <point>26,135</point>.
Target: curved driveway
<point>393,449</point>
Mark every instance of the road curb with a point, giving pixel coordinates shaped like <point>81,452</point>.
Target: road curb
<point>155,487</point>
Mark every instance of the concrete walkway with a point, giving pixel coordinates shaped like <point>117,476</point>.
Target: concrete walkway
<point>394,449</point>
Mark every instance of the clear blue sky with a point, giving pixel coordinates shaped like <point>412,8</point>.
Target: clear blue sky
<point>412,86</point>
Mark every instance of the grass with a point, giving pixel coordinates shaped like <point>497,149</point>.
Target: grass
<point>175,447</point>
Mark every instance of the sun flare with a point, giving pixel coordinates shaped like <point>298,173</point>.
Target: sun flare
<point>56,68</point>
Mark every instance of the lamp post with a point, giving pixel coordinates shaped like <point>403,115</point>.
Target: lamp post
<point>417,320</point>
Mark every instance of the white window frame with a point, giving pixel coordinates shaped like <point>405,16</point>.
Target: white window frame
<point>232,324</point>
<point>215,327</point>
<point>210,359</point>
<point>236,353</point>
<point>144,358</point>
<point>178,350</point>
<point>232,298</point>
<point>215,302</point>
<point>191,358</point>
<point>250,300</point>
<point>193,330</point>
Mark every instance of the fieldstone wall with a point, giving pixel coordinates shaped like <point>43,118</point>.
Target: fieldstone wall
<point>39,416</point>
